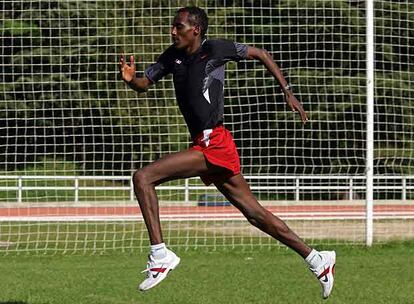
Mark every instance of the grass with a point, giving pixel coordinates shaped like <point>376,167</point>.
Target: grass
<point>381,274</point>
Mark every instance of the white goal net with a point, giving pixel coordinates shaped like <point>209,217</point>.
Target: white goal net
<point>72,133</point>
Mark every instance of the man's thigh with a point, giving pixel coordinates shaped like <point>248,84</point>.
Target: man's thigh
<point>238,192</point>
<point>184,164</point>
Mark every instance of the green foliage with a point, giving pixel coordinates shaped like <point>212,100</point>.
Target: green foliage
<point>19,28</point>
<point>68,101</point>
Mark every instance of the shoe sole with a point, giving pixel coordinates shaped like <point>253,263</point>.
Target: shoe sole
<point>163,275</point>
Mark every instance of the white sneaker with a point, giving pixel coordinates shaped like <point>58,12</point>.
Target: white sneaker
<point>157,270</point>
<point>325,272</point>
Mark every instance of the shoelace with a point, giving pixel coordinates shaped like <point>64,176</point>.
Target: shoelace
<point>150,265</point>
<point>148,269</point>
<point>320,267</point>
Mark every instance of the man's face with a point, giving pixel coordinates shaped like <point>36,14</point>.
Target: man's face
<point>182,33</point>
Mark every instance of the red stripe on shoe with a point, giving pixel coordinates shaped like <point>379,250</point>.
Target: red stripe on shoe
<point>324,273</point>
<point>158,269</point>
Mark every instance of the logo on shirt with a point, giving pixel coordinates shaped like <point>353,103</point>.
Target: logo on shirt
<point>203,56</point>
<point>207,96</point>
<point>178,61</point>
<point>206,84</point>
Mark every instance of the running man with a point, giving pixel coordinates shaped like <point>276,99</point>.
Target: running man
<point>197,65</point>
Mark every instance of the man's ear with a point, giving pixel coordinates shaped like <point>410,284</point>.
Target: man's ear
<point>197,30</point>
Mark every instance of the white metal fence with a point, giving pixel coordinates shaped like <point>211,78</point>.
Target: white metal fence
<point>349,185</point>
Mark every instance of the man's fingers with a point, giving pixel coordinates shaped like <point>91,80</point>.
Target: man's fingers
<point>304,116</point>
<point>121,61</point>
<point>296,106</point>
<point>132,60</point>
<point>299,108</point>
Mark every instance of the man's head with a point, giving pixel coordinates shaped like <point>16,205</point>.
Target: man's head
<point>189,25</point>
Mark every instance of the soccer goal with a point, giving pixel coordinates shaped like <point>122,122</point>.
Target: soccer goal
<point>72,133</point>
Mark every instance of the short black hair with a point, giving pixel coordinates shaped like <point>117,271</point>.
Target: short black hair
<point>196,16</point>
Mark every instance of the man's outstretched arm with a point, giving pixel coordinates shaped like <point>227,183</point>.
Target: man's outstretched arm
<point>128,74</point>
<point>267,60</point>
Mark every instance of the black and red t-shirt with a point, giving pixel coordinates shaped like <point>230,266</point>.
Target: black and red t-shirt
<point>198,80</point>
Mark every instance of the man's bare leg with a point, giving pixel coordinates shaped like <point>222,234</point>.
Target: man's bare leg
<point>238,192</point>
<point>322,264</point>
<point>174,166</point>
<point>184,164</point>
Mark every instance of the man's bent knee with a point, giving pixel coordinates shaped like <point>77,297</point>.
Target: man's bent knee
<point>140,179</point>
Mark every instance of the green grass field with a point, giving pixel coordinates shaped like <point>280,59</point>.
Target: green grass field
<point>382,274</point>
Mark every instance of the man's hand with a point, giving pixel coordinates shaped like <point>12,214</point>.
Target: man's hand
<point>295,105</point>
<point>139,84</point>
<point>127,71</point>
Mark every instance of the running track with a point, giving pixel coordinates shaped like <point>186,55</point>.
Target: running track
<point>181,213</point>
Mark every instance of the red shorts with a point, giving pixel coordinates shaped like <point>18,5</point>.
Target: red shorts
<point>220,150</point>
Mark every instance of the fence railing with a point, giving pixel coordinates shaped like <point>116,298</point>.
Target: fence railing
<point>292,184</point>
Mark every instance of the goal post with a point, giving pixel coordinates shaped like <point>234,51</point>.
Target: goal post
<point>72,133</point>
